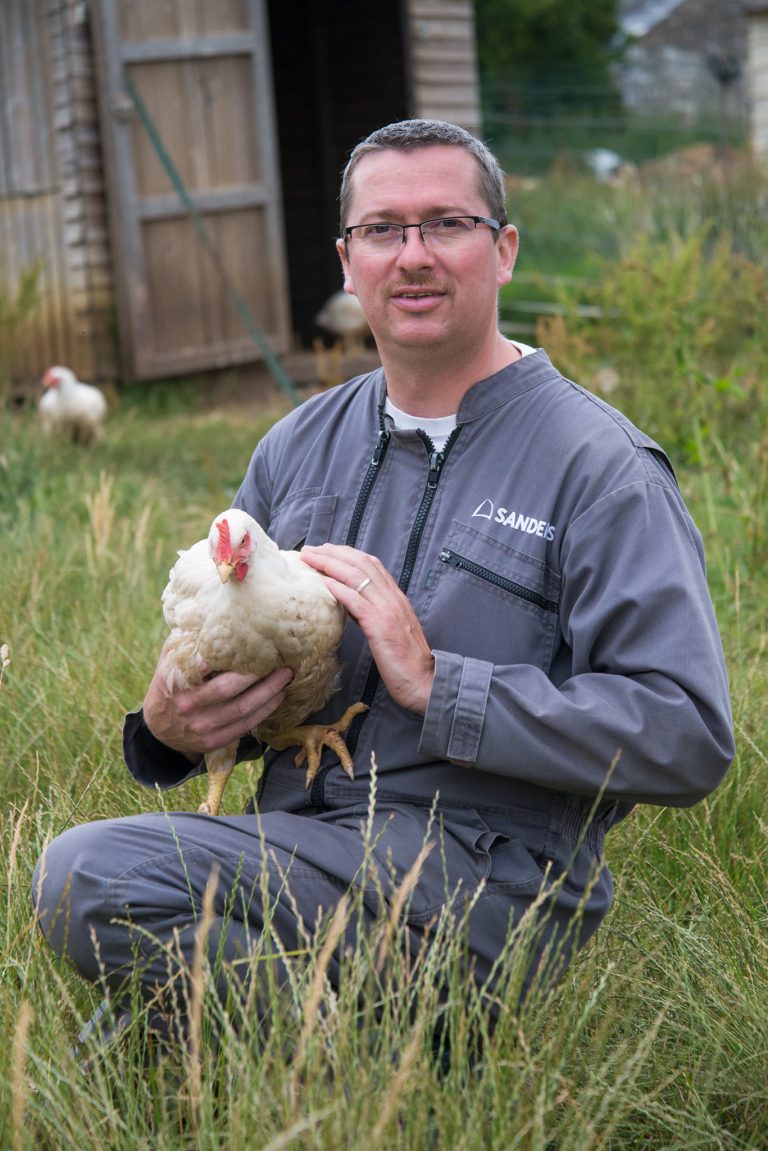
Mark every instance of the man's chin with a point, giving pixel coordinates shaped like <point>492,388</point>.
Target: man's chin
<point>417,332</point>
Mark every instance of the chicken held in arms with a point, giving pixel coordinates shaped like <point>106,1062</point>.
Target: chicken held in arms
<point>236,602</point>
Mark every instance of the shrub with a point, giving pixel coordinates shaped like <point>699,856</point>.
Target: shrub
<point>679,341</point>
<point>15,310</point>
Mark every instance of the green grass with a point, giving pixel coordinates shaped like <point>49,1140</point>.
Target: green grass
<point>657,1037</point>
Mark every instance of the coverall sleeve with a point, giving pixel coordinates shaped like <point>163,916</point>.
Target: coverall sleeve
<point>643,711</point>
<point>154,764</point>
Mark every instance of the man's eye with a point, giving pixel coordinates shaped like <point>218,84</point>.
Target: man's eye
<point>382,231</point>
<point>449,224</point>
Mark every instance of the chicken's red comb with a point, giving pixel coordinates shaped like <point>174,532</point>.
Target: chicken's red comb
<point>225,539</point>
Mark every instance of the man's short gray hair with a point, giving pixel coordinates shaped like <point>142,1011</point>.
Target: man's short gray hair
<point>404,134</point>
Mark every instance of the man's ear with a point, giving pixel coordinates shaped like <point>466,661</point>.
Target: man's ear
<point>341,248</point>
<point>508,243</point>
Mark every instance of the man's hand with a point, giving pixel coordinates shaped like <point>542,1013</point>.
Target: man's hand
<point>361,583</point>
<point>213,714</point>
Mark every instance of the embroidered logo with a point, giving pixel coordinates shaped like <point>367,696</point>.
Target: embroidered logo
<point>484,511</point>
<point>517,521</point>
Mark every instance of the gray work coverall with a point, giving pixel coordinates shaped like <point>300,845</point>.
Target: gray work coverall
<point>560,582</point>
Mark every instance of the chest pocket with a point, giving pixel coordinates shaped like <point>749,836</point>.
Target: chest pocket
<point>304,517</point>
<point>492,601</point>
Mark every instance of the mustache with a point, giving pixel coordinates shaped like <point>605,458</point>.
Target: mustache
<point>406,281</point>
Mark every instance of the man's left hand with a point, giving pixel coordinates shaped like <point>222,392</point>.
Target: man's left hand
<point>362,585</point>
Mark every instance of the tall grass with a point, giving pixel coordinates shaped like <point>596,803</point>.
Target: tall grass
<point>572,227</point>
<point>657,1037</point>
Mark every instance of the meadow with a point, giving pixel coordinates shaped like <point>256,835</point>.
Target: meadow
<point>657,1036</point>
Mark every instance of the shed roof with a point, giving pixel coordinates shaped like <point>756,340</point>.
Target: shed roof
<point>639,17</point>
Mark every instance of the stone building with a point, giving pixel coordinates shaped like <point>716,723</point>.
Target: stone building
<point>686,57</point>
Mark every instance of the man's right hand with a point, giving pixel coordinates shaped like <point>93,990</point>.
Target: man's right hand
<point>216,712</point>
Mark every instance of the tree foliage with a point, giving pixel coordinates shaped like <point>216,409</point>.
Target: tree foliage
<point>551,52</point>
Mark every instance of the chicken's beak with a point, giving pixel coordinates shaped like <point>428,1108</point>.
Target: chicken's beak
<point>225,571</point>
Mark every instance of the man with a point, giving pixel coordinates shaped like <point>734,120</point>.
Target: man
<point>529,624</point>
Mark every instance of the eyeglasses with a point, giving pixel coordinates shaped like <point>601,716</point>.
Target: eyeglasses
<point>447,232</point>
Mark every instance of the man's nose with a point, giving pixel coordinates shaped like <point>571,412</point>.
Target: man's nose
<point>414,251</point>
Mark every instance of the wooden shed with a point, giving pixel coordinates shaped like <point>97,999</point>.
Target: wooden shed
<point>172,166</point>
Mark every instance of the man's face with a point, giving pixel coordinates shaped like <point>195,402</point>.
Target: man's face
<point>414,296</point>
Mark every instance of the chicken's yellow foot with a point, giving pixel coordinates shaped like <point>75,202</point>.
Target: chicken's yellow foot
<point>212,801</point>
<point>219,765</point>
<point>312,737</point>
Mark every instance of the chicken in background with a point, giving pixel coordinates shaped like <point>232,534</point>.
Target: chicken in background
<point>68,407</point>
<point>236,602</point>
<point>341,317</point>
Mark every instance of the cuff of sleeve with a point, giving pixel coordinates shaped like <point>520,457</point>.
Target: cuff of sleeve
<point>151,762</point>
<point>453,722</point>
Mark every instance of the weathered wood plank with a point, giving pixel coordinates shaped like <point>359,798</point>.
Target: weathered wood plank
<point>216,15</point>
<point>221,200</point>
<point>25,160</point>
<point>172,264</point>
<point>190,48</point>
<point>444,61</point>
<point>440,72</point>
<point>146,20</point>
<point>443,52</point>
<point>441,9</point>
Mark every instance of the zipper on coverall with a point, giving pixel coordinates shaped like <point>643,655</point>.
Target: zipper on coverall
<point>436,460</point>
<point>461,563</point>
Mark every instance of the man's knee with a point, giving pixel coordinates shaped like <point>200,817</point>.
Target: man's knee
<point>67,889</point>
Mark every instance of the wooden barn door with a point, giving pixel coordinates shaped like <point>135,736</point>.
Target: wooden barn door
<point>202,73</point>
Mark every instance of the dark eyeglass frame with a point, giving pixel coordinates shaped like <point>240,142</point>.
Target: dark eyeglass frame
<point>349,231</point>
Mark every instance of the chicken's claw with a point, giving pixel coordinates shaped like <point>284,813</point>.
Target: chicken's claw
<point>312,737</point>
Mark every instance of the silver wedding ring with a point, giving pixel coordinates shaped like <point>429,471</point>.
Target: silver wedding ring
<point>362,585</point>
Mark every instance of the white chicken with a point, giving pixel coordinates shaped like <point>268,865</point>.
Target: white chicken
<point>70,407</point>
<point>239,603</point>
<point>342,316</point>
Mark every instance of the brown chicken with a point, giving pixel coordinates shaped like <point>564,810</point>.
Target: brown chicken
<point>236,602</point>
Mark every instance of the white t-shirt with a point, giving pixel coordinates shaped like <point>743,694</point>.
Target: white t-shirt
<point>438,428</point>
